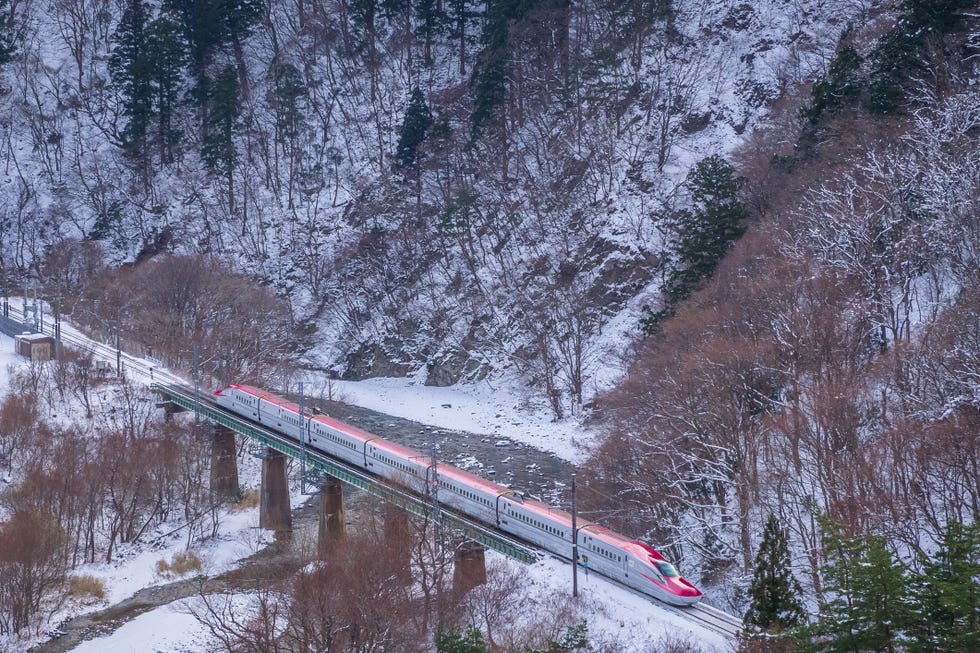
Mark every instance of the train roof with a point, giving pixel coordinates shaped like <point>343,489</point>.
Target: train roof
<point>595,530</point>
<point>344,427</point>
<point>400,450</point>
<point>473,480</point>
<point>272,398</point>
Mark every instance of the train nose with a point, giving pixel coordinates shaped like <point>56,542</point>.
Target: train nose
<point>683,588</point>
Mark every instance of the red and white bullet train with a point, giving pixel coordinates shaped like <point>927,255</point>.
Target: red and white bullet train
<point>611,554</point>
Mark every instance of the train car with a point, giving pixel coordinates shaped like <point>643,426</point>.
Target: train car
<point>629,561</point>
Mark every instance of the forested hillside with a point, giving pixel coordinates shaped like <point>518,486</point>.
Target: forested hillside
<point>459,188</point>
<point>741,238</point>
<point>821,393</point>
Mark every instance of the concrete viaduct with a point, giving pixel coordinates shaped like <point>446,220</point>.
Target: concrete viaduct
<point>274,507</point>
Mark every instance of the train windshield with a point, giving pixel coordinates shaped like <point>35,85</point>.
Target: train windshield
<point>666,568</point>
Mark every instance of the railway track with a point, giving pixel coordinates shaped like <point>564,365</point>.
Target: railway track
<point>712,618</point>
<point>102,351</point>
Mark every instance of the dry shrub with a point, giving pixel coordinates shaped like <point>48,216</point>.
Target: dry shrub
<point>250,499</point>
<point>766,644</point>
<point>676,644</point>
<point>181,564</point>
<point>84,586</point>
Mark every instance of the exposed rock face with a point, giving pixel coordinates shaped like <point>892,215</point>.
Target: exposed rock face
<point>372,359</point>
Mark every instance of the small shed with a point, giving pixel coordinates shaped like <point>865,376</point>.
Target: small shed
<point>35,346</point>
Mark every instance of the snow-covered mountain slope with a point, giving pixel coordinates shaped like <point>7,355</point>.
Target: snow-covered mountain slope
<point>529,248</point>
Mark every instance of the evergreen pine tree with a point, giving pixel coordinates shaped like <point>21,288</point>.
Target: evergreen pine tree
<point>219,152</point>
<point>167,56</point>
<point>575,638</point>
<point>489,75</point>
<point>206,26</point>
<point>429,19</point>
<point>840,84</point>
<point>898,56</point>
<point>418,119</point>
<point>948,595</point>
<point>7,46</point>
<point>775,592</point>
<point>869,607</point>
<point>705,233</point>
<point>456,642</point>
<point>459,13</point>
<point>129,66</point>
<point>288,88</point>
<point>364,16</point>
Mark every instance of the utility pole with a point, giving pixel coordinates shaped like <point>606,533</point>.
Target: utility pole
<point>197,385</point>
<point>434,482</point>
<point>302,441</point>
<point>574,543</point>
<point>118,354</point>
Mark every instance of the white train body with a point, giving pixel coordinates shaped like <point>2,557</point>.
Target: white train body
<point>630,561</point>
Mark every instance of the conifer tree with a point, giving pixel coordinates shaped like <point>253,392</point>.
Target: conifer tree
<point>429,19</point>
<point>458,14</point>
<point>774,590</point>
<point>288,89</point>
<point>869,608</point>
<point>948,595</point>
<point>705,233</point>
<point>167,56</point>
<point>489,76</point>
<point>418,119</point>
<point>209,24</point>
<point>899,54</point>
<point>457,642</point>
<point>219,152</point>
<point>129,66</point>
<point>840,84</point>
<point>7,45</point>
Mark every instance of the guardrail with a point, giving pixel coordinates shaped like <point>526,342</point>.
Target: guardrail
<point>417,505</point>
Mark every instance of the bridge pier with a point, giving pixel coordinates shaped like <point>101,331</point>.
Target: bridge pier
<point>397,538</point>
<point>169,410</point>
<point>333,523</point>
<point>274,514</point>
<point>224,462</point>
<point>470,568</point>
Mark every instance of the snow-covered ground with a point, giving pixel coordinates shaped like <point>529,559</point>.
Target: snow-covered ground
<point>496,410</point>
<point>170,628</point>
<point>613,614</point>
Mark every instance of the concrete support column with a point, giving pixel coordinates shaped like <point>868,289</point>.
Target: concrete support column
<point>332,519</point>
<point>224,462</point>
<point>470,567</point>
<point>397,540</point>
<point>274,512</point>
<point>169,410</point>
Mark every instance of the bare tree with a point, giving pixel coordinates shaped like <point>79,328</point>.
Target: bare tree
<point>32,567</point>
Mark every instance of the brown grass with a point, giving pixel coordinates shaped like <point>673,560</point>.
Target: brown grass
<point>250,499</point>
<point>84,586</point>
<point>181,564</point>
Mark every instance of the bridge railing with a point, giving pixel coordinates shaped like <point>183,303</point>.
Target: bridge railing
<point>416,504</point>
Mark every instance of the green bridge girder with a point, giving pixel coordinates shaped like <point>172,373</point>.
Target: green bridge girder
<point>320,462</point>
